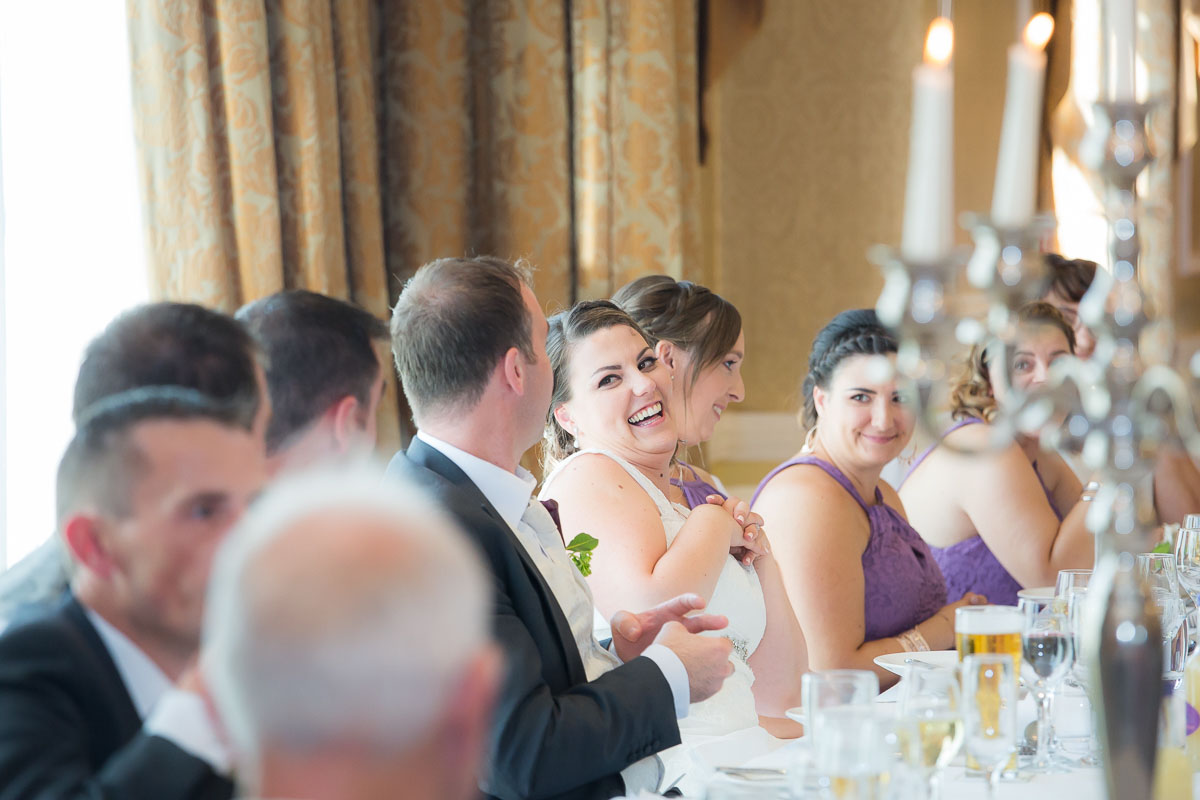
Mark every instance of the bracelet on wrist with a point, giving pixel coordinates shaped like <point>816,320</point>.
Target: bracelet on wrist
<point>913,641</point>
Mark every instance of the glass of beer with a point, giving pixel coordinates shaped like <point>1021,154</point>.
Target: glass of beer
<point>988,630</point>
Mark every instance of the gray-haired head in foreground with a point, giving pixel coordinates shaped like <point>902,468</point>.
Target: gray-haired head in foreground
<point>342,610</point>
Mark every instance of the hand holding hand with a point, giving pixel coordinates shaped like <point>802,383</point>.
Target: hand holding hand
<point>752,542</point>
<point>633,633</point>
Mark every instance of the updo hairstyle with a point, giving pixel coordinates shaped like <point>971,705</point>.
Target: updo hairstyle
<point>851,333</point>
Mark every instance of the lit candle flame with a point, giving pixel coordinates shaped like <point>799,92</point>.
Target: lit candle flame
<point>1039,30</point>
<point>939,43</point>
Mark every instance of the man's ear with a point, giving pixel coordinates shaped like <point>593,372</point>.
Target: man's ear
<point>84,537</point>
<point>466,721</point>
<point>666,353</point>
<point>346,422</point>
<point>513,369</point>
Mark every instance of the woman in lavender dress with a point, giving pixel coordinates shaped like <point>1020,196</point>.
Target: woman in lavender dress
<point>698,337</point>
<point>1004,520</point>
<point>861,580</point>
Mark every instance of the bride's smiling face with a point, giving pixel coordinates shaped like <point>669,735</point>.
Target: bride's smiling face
<point>619,396</point>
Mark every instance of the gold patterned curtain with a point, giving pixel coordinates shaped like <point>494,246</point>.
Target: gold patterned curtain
<point>336,145</point>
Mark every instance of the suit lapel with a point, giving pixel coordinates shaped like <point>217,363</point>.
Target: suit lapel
<point>423,455</point>
<point>107,673</point>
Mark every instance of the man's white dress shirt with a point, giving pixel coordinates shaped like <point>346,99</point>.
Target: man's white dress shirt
<point>176,715</point>
<point>511,494</point>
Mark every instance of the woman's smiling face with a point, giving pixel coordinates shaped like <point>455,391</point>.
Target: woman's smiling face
<point>863,418</point>
<point>716,387</point>
<point>619,396</point>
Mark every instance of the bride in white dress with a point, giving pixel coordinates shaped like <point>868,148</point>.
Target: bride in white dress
<point>610,442</point>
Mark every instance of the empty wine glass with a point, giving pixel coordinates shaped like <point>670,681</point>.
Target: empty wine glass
<point>1047,646</point>
<point>931,700</point>
<point>1159,573</point>
<point>1187,559</point>
<point>989,686</point>
<point>1068,581</point>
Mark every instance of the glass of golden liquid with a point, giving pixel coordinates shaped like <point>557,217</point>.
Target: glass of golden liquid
<point>989,630</point>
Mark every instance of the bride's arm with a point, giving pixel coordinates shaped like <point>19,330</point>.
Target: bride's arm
<point>632,567</point>
<point>782,655</point>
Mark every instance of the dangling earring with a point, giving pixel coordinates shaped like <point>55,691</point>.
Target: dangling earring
<point>575,438</point>
<point>810,440</point>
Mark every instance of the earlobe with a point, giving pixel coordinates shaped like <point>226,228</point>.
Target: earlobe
<point>563,417</point>
<point>82,536</point>
<point>819,399</point>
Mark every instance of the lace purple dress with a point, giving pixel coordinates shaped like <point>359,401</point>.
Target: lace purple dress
<point>970,565</point>
<point>902,584</point>
<point>695,489</point>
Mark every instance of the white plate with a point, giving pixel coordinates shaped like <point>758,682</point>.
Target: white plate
<point>895,662</point>
<point>1038,593</point>
<point>796,715</point>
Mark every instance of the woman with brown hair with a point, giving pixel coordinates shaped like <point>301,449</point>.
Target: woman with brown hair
<point>1002,520</point>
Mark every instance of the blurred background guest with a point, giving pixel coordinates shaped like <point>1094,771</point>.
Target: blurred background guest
<point>98,696</point>
<point>698,338</point>
<point>1069,282</point>
<point>158,344</point>
<point>379,674</point>
<point>324,374</point>
<point>861,580</point>
<point>1010,518</point>
<point>610,440</point>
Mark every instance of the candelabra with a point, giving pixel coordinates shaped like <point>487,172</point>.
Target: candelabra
<point>1112,410</point>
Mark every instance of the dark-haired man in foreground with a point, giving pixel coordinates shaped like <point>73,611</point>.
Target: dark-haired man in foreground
<point>96,696</point>
<point>324,375</point>
<point>157,344</point>
<point>573,720</point>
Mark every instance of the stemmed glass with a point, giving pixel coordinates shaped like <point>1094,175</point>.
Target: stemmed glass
<point>989,685</point>
<point>931,700</point>
<point>1187,559</point>
<point>1047,645</point>
<point>1159,573</point>
<point>1068,581</point>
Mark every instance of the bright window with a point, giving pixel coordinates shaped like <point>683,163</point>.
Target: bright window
<point>70,226</point>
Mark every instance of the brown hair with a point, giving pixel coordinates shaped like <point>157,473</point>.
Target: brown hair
<point>1070,277</point>
<point>567,329</point>
<point>454,321</point>
<point>687,315</point>
<point>857,332</point>
<point>971,394</point>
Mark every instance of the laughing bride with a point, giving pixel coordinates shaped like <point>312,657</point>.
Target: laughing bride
<point>610,441</point>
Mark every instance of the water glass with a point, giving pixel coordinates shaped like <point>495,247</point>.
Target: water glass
<point>851,753</point>
<point>989,686</point>
<point>1158,572</point>
<point>1187,559</point>
<point>931,701</point>
<point>1047,646</point>
<point>1068,581</point>
<point>831,688</point>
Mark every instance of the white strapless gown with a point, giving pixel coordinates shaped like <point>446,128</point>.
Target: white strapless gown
<point>738,596</point>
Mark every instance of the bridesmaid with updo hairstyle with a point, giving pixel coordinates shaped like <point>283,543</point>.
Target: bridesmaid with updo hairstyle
<point>861,581</point>
<point>698,337</point>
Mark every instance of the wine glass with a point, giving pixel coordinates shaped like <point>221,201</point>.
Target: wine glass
<point>1187,559</point>
<point>1159,573</point>
<point>822,689</point>
<point>931,700</point>
<point>1047,645</point>
<point>1068,581</point>
<point>990,712</point>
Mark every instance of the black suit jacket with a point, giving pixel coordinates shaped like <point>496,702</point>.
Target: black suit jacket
<point>69,730</point>
<point>555,734</point>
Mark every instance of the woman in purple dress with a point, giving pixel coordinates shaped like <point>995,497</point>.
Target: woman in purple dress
<point>698,337</point>
<point>860,579</point>
<point>1008,519</point>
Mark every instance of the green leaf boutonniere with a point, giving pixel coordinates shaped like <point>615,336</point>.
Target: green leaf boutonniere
<point>581,548</point>
<point>1161,547</point>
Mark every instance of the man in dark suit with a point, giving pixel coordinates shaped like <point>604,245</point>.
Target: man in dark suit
<point>97,697</point>
<point>573,720</point>
<point>157,344</point>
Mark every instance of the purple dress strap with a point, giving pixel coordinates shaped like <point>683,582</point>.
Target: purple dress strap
<point>902,584</point>
<point>695,489</point>
<point>962,423</point>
